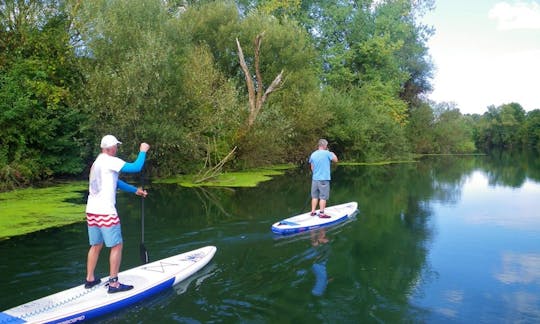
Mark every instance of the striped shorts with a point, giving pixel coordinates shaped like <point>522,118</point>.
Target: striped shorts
<point>104,229</point>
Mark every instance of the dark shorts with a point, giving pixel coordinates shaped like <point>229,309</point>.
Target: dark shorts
<point>320,189</point>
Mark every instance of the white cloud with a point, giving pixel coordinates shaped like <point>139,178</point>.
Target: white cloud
<point>520,15</point>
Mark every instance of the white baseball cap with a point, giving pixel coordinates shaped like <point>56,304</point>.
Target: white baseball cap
<point>109,141</point>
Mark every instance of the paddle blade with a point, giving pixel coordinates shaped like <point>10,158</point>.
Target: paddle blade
<point>144,254</point>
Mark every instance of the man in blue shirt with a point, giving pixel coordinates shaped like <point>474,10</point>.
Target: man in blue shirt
<point>320,162</point>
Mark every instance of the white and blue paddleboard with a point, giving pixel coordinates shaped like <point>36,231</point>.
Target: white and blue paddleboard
<point>306,222</point>
<point>79,304</point>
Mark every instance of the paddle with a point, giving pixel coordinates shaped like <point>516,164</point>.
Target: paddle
<point>142,249</point>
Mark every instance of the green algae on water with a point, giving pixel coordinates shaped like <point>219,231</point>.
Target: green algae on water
<point>28,210</point>
<point>250,178</point>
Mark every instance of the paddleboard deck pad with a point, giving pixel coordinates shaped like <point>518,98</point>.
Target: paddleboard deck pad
<point>79,304</point>
<point>306,222</point>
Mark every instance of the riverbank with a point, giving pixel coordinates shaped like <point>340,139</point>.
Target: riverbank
<point>33,209</point>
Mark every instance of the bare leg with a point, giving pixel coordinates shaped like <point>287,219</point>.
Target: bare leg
<point>314,204</point>
<point>322,204</point>
<point>93,256</point>
<point>115,259</point>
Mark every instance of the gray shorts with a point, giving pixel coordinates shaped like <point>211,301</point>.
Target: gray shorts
<point>320,189</point>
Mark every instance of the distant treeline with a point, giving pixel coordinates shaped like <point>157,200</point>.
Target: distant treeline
<point>227,84</point>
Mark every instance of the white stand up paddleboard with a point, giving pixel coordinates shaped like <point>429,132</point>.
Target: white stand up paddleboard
<point>306,222</point>
<point>79,304</point>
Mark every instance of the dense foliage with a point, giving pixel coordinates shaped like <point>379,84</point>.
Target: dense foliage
<point>39,78</point>
<point>168,72</point>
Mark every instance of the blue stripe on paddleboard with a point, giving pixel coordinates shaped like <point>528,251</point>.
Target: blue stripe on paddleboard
<point>93,313</point>
<point>6,318</point>
<point>285,231</point>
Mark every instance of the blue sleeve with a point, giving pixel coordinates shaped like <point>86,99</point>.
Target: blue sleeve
<point>126,186</point>
<point>135,166</point>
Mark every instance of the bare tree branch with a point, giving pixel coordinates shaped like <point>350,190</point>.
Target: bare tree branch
<point>257,95</point>
<point>216,170</point>
<point>249,81</point>
<point>273,86</point>
<point>260,85</point>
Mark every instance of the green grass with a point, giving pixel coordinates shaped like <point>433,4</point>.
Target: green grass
<point>28,210</point>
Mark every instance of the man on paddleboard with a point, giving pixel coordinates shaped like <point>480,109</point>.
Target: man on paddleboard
<point>320,162</point>
<point>101,215</point>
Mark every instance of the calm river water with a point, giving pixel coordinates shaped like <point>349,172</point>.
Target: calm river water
<point>445,239</point>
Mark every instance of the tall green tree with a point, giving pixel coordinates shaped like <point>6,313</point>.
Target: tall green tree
<point>501,127</point>
<point>148,81</point>
<point>378,51</point>
<point>293,116</point>
<point>362,128</point>
<point>531,130</point>
<point>175,80</point>
<point>419,130</point>
<point>290,114</point>
<point>39,79</point>
<point>452,132</point>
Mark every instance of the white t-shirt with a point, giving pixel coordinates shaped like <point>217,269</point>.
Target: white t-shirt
<point>102,185</point>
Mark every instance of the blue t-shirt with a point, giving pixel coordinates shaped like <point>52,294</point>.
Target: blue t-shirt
<point>321,160</point>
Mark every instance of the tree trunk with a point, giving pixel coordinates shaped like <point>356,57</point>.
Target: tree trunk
<point>257,95</point>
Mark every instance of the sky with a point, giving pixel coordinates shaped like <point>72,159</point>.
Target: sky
<point>485,52</point>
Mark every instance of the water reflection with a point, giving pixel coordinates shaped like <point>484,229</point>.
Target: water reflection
<point>321,252</point>
<point>490,223</point>
<point>447,239</point>
<point>522,305</point>
<point>500,205</point>
<point>522,268</point>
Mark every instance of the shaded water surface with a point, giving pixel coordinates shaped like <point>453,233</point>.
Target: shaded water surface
<point>447,239</point>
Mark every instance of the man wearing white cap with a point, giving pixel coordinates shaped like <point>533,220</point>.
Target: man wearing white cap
<point>101,215</point>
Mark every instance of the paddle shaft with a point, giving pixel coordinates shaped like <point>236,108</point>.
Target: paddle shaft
<point>142,248</point>
<point>142,220</point>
